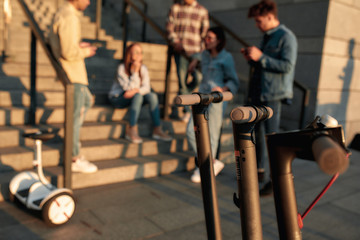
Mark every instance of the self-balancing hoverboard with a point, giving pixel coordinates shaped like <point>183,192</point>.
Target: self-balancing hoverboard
<point>317,142</point>
<point>32,189</point>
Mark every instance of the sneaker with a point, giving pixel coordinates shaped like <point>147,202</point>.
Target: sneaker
<point>84,166</point>
<point>195,178</point>
<point>133,138</point>
<point>162,136</point>
<point>186,117</point>
<point>218,166</point>
<point>267,190</point>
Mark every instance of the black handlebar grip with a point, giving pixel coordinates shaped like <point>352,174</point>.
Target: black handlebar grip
<point>329,155</point>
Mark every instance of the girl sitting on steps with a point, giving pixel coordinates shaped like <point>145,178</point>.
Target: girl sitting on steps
<point>131,88</point>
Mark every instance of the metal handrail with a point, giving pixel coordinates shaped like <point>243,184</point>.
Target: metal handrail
<point>38,35</point>
<point>228,31</point>
<point>153,24</point>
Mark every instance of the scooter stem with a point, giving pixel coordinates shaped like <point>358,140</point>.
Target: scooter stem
<point>38,161</point>
<point>205,162</point>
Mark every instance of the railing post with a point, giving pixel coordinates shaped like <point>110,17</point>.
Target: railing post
<point>98,17</point>
<point>33,103</point>
<point>167,83</point>
<point>143,35</point>
<point>68,138</point>
<point>126,11</point>
<point>304,107</point>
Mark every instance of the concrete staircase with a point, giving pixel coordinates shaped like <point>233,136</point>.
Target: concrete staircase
<point>102,134</point>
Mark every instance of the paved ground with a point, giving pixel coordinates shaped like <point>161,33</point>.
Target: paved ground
<point>170,207</point>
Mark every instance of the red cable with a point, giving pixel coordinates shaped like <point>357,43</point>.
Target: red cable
<point>320,195</point>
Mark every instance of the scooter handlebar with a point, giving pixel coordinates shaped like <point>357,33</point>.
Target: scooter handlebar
<point>193,99</point>
<point>329,155</point>
<point>248,114</point>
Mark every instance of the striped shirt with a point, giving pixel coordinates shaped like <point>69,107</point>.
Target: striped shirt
<point>188,24</point>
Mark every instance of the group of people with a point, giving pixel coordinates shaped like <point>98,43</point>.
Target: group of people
<point>194,44</point>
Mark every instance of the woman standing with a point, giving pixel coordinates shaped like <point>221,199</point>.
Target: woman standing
<point>218,69</point>
<point>131,88</point>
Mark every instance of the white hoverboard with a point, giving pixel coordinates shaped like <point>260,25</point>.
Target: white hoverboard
<point>32,189</point>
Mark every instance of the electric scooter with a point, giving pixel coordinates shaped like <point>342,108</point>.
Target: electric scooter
<point>322,141</point>
<point>57,205</point>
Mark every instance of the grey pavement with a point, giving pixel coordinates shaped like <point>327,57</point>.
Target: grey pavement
<point>170,207</point>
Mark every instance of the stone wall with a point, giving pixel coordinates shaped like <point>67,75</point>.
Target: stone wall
<point>339,82</point>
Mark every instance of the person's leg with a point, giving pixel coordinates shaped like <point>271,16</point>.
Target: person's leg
<point>135,108</point>
<point>88,101</point>
<point>190,134</point>
<point>158,134</point>
<point>82,102</point>
<point>78,118</point>
<point>182,71</point>
<point>152,99</point>
<point>120,102</point>
<point>271,125</point>
<point>215,123</point>
<point>260,150</point>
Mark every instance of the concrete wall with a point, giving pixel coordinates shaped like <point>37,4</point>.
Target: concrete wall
<point>326,31</point>
<point>339,81</point>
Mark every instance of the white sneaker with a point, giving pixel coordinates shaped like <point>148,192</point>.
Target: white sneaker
<point>195,178</point>
<point>84,166</point>
<point>186,117</point>
<point>218,166</point>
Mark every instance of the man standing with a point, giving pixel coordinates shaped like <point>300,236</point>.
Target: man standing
<point>271,82</point>
<point>65,41</point>
<point>187,25</point>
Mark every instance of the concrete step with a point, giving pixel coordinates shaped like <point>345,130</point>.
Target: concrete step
<point>20,157</point>
<point>10,83</point>
<point>11,136</point>
<point>116,170</point>
<point>18,115</point>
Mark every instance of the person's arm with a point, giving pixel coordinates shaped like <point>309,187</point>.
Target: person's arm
<point>122,78</point>
<point>170,26</point>
<point>196,59</point>
<point>145,87</point>
<point>205,25</point>
<point>287,59</point>
<point>69,42</point>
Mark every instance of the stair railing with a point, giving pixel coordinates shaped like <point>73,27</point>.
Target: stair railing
<point>37,35</point>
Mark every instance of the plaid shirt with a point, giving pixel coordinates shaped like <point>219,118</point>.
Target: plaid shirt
<point>188,24</point>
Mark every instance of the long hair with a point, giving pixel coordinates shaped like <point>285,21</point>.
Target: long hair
<point>127,60</point>
<point>220,35</point>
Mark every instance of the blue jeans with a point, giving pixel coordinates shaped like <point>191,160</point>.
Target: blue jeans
<point>82,102</point>
<point>261,129</point>
<point>215,122</point>
<point>182,72</point>
<point>135,104</point>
